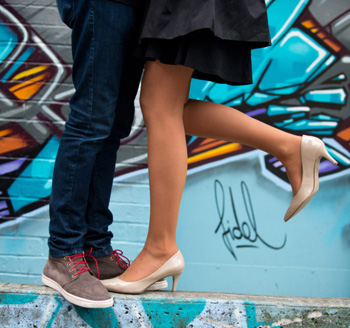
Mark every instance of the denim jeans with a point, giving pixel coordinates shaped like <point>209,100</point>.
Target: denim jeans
<point>106,78</point>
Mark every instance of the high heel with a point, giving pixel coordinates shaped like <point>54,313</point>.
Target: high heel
<point>175,279</point>
<point>312,149</point>
<point>173,267</point>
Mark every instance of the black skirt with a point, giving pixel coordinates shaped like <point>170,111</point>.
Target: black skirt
<point>214,37</point>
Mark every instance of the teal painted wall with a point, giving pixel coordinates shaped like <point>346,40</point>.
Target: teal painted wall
<point>231,228</point>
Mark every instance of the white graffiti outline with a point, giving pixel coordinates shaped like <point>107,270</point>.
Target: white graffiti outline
<point>24,31</point>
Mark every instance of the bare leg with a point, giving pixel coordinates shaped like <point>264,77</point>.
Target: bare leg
<point>211,120</point>
<point>163,95</point>
<point>167,112</point>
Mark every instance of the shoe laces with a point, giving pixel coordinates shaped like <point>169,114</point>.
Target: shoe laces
<point>88,254</point>
<point>78,259</point>
<point>122,260</point>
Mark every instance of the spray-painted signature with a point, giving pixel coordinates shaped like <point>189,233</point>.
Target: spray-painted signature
<point>241,234</point>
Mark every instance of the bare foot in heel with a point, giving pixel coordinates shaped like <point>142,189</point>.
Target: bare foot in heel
<point>293,165</point>
<point>143,263</point>
<point>312,150</point>
<point>147,262</point>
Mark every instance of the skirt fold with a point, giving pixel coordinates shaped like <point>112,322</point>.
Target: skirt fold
<point>214,37</point>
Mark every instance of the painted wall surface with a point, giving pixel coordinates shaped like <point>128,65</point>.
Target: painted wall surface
<point>231,228</point>
<point>25,307</point>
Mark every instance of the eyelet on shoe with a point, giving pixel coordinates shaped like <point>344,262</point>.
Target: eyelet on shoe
<point>70,270</point>
<point>68,264</point>
<point>65,258</point>
<point>111,258</point>
<point>74,276</point>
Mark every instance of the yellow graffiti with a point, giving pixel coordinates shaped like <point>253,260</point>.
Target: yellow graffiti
<point>215,152</point>
<point>29,72</point>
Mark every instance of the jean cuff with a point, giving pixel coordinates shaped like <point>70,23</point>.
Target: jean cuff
<point>65,252</point>
<point>100,252</point>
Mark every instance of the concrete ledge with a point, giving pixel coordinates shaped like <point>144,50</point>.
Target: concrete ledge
<point>39,306</point>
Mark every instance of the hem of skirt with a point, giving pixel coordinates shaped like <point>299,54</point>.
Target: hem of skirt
<point>205,76</point>
<point>252,43</point>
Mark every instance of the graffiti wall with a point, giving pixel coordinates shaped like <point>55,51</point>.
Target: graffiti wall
<point>231,228</point>
<point>39,308</point>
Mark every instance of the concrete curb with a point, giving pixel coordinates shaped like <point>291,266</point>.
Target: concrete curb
<point>39,306</point>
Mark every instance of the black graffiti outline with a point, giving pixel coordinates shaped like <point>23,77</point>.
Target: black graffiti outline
<point>244,230</point>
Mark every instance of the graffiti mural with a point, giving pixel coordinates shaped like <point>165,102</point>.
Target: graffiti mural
<point>32,114</point>
<point>231,215</point>
<point>301,85</point>
<point>35,88</point>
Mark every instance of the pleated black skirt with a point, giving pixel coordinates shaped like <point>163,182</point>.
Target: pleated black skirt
<point>214,37</point>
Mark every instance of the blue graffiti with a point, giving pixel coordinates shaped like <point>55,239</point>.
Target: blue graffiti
<point>6,298</point>
<point>251,317</point>
<point>169,313</point>
<point>300,86</point>
<point>97,318</point>
<point>291,88</point>
<point>39,173</point>
<point>53,316</point>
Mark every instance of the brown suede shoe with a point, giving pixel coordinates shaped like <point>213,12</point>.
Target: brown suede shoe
<point>109,266</point>
<point>72,278</point>
<point>113,265</point>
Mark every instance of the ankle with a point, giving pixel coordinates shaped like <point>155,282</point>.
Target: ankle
<point>160,250</point>
<point>289,149</point>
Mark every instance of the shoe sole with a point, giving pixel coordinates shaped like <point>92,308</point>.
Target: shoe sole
<point>83,302</point>
<point>156,286</point>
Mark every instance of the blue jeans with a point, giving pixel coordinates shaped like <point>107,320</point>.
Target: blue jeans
<point>106,78</point>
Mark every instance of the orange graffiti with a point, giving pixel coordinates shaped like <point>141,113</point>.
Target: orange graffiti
<point>12,143</point>
<point>207,145</point>
<point>345,134</point>
<point>25,90</point>
<point>315,28</point>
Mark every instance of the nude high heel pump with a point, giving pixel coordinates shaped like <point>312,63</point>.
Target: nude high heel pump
<point>173,267</point>
<point>312,150</point>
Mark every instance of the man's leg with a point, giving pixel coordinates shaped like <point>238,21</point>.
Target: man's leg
<point>100,31</point>
<point>98,215</point>
<point>100,35</point>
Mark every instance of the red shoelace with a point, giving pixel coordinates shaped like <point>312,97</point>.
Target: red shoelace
<point>88,254</point>
<point>116,253</point>
<point>73,259</point>
<point>120,257</point>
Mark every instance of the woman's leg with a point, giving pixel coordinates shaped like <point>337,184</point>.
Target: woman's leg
<point>211,120</point>
<point>163,95</point>
<point>167,113</point>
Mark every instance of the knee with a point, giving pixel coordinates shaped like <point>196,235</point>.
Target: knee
<point>97,128</point>
<point>160,109</point>
<point>148,104</point>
